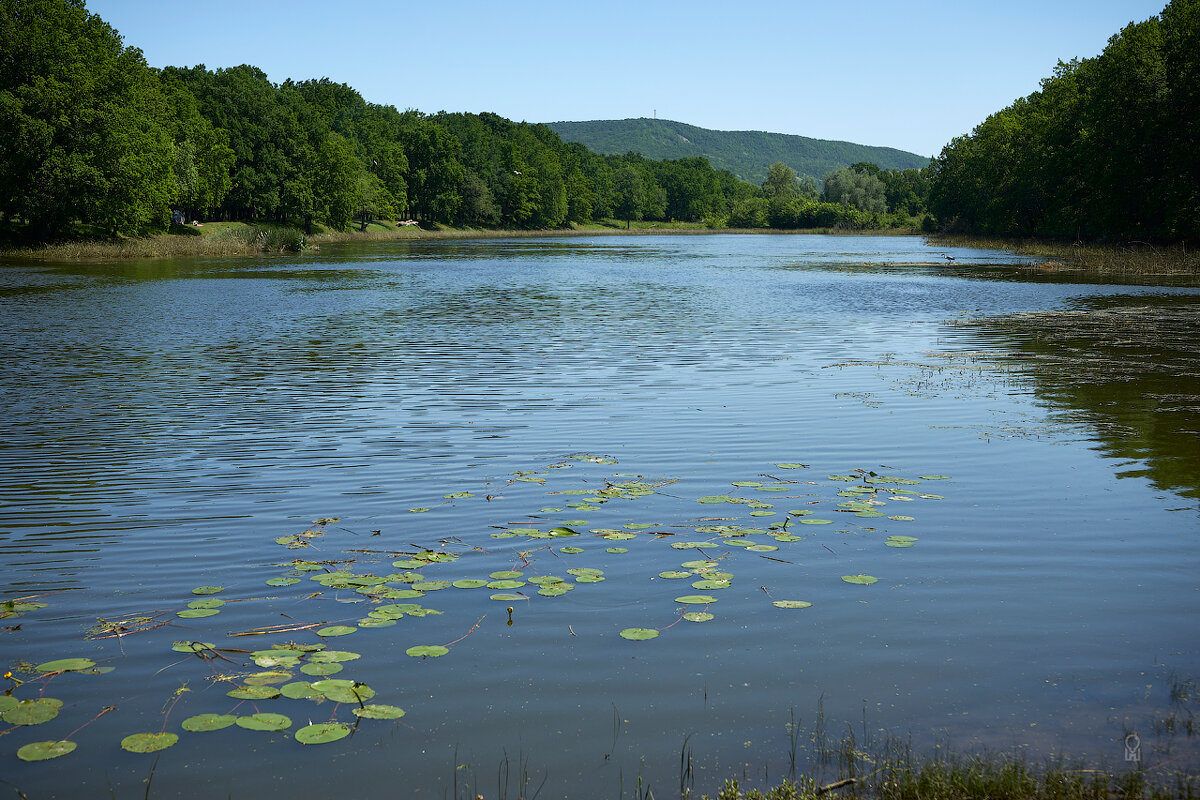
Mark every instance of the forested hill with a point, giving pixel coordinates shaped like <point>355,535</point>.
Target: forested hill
<point>746,154</point>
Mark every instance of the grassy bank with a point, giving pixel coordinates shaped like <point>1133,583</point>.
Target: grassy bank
<point>239,238</point>
<point>1130,258</point>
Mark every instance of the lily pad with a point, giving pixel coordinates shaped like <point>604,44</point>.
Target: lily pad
<point>698,616</point>
<point>322,733</point>
<point>696,599</point>
<point>571,550</point>
<point>379,711</point>
<point>32,712</point>
<point>148,742</point>
<point>555,589</point>
<point>862,580</point>
<point>192,647</point>
<point>267,678</point>
<point>457,495</point>
<point>340,690</point>
<point>674,574</point>
<point>792,604</point>
<point>208,722</point>
<point>336,630</point>
<point>815,521</point>
<point>264,722</point>
<point>318,670</point>
<point>639,634</point>
<point>710,584</point>
<point>253,692</point>
<point>66,665</point>
<point>208,589</point>
<point>505,584</point>
<point>427,651</point>
<point>197,613</point>
<point>507,597</point>
<point>935,477</point>
<point>469,583</point>
<point>282,581</point>
<point>505,575</point>
<point>616,550</point>
<point>300,690</point>
<point>43,751</point>
<point>334,656</point>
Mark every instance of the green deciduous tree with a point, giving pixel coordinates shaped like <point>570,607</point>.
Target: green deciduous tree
<point>81,133</point>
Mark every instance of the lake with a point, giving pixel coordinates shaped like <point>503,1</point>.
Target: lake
<point>1011,455</point>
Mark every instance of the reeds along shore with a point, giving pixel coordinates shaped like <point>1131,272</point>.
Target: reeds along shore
<point>1129,258</point>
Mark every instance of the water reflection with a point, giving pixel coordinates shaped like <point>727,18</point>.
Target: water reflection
<point>1127,365</point>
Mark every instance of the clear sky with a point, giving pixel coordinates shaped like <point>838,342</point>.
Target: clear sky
<point>909,74</point>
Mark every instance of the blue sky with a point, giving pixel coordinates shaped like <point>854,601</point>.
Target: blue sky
<point>911,75</point>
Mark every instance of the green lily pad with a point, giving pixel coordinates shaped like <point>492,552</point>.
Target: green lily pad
<point>267,678</point>
<point>562,530</point>
<point>505,584</point>
<point>66,665</point>
<point>264,722</point>
<point>253,692</point>
<point>505,575</point>
<point>696,599</point>
<point>318,670</point>
<point>418,510</point>
<point>506,597</point>
<point>282,581</point>
<point>430,586</point>
<point>334,656</point>
<point>674,574</point>
<point>620,537</point>
<point>571,550</point>
<point>32,712</point>
<point>341,690</point>
<point>427,651</point>
<point>691,545</point>
<point>44,751</point>
<point>815,521</point>
<point>901,518</point>
<point>590,578</point>
<point>791,466</point>
<point>698,616</point>
<point>191,647</point>
<point>300,690</point>
<point>761,548</point>
<point>616,550</point>
<point>197,613</point>
<point>148,742</point>
<point>208,589</point>
<point>545,580</point>
<point>638,526</point>
<point>457,495</point>
<point>379,711</point>
<point>208,722</point>
<point>555,589</point>
<point>713,499</point>
<point>710,584</point>
<point>639,634</point>
<point>212,602</point>
<point>406,563</point>
<point>935,477</point>
<point>862,580</point>
<point>322,733</point>
<point>469,583</point>
<point>336,630</point>
<point>791,604</point>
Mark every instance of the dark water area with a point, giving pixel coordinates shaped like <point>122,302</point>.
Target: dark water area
<point>166,422</point>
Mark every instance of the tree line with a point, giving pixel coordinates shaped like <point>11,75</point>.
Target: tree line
<point>90,133</point>
<point>1109,147</point>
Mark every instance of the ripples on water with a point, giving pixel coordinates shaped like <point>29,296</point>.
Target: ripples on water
<point>164,421</point>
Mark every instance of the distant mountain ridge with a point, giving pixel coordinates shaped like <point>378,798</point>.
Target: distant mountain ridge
<point>746,154</point>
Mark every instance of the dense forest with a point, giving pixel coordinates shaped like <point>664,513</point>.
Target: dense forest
<point>1108,148</point>
<point>90,134</point>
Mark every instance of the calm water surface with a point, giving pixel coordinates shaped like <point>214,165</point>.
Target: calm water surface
<point>165,422</point>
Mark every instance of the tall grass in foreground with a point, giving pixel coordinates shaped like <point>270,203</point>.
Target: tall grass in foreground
<point>1132,258</point>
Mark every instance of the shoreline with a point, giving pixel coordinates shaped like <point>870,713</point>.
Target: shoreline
<point>221,239</point>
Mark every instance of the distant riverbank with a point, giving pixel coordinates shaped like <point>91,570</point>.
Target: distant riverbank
<point>240,238</point>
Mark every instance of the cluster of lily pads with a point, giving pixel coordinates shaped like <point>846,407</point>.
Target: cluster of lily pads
<point>717,529</point>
